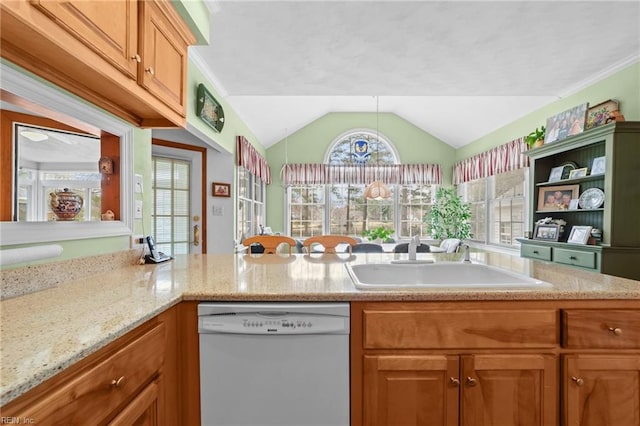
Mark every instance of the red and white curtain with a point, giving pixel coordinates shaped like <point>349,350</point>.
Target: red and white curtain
<point>390,174</point>
<point>504,158</point>
<point>251,160</point>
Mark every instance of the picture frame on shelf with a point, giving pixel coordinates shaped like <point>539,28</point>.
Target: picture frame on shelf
<point>221,189</point>
<point>546,232</point>
<point>582,172</point>
<point>598,167</point>
<point>567,123</point>
<point>598,114</point>
<point>579,234</point>
<point>573,204</point>
<point>556,174</point>
<point>557,197</point>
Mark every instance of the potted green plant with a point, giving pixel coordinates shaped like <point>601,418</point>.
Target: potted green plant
<point>536,138</point>
<point>381,233</point>
<point>449,216</point>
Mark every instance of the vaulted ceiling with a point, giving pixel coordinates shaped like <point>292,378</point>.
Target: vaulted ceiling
<point>456,69</point>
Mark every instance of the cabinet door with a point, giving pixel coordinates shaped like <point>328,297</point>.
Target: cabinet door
<point>509,390</point>
<point>601,390</point>
<point>164,58</point>
<point>142,411</point>
<point>110,28</point>
<point>411,390</point>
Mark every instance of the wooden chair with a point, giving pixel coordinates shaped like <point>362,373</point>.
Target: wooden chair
<point>329,242</point>
<point>269,242</point>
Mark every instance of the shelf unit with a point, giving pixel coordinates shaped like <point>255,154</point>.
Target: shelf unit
<point>619,251</point>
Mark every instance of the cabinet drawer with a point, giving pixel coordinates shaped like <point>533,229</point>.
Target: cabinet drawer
<point>460,329</point>
<point>536,252</point>
<point>575,257</point>
<point>90,397</point>
<point>590,328</point>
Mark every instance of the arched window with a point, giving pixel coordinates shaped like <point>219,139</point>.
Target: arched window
<point>336,207</point>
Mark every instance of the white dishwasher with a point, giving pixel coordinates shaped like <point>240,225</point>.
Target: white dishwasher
<point>274,364</point>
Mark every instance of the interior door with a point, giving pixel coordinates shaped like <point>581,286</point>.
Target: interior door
<point>179,173</point>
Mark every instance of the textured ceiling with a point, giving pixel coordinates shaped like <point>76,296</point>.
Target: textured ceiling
<point>437,64</point>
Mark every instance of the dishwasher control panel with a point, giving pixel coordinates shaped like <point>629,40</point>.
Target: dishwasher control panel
<point>273,324</point>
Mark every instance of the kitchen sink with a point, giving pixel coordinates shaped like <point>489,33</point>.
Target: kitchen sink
<point>387,276</point>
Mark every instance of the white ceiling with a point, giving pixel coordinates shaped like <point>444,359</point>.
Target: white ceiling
<point>458,70</point>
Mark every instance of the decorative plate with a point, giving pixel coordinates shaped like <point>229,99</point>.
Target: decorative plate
<point>592,198</point>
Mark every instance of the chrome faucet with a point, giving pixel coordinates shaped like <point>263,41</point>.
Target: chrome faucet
<point>467,255</point>
<point>413,247</point>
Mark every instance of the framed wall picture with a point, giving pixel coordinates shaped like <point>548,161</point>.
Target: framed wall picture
<point>598,114</point>
<point>221,189</point>
<point>578,173</point>
<point>546,232</point>
<point>579,234</point>
<point>567,123</point>
<point>556,174</point>
<point>599,165</point>
<point>557,197</point>
<point>208,109</point>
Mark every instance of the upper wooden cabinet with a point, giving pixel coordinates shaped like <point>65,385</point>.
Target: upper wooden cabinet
<point>110,28</point>
<point>128,57</point>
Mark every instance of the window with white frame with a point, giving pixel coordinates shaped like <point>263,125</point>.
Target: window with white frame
<point>498,206</point>
<point>251,216</point>
<point>342,208</point>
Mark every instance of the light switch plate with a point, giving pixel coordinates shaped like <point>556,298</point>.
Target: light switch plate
<point>138,183</point>
<point>218,210</point>
<point>138,212</point>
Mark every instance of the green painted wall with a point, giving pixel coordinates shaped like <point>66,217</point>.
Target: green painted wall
<point>310,144</point>
<point>196,15</point>
<point>624,86</point>
<point>233,125</point>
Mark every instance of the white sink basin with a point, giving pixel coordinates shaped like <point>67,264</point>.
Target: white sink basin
<point>383,276</point>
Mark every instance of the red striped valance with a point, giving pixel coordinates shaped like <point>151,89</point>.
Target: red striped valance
<point>251,160</point>
<point>318,174</point>
<point>503,158</point>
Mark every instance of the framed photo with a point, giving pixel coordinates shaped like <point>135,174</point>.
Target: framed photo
<point>557,197</point>
<point>573,204</point>
<point>598,114</point>
<point>209,109</point>
<point>599,165</point>
<point>579,234</point>
<point>578,173</point>
<point>546,232</point>
<point>567,123</point>
<point>556,174</point>
<point>221,189</point>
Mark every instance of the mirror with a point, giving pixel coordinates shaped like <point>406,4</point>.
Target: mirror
<point>45,150</point>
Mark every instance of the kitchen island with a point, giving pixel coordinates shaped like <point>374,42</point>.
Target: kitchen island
<point>44,333</point>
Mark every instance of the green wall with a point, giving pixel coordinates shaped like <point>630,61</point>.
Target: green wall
<point>196,14</point>
<point>233,125</point>
<point>624,86</point>
<point>310,144</point>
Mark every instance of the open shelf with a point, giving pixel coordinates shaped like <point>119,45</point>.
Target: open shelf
<point>575,180</point>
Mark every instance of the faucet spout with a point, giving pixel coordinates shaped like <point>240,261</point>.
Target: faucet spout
<point>413,247</point>
<point>467,255</point>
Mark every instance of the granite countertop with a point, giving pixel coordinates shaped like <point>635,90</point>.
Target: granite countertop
<point>47,331</point>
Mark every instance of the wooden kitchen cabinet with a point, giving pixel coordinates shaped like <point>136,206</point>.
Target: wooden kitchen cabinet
<point>411,390</point>
<point>454,364</point>
<point>109,28</point>
<point>601,388</point>
<point>130,381</point>
<point>128,57</point>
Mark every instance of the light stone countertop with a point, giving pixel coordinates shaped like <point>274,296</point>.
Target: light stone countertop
<point>45,332</point>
